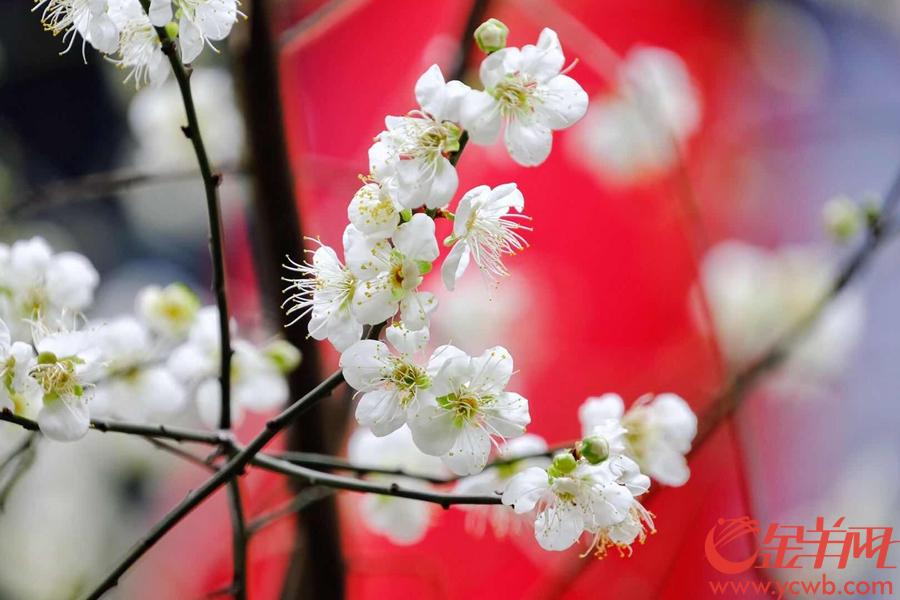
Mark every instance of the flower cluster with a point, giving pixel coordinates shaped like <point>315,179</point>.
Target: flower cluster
<point>60,368</point>
<point>456,406</point>
<point>125,32</point>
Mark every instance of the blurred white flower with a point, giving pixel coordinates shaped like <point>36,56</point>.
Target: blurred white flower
<point>155,112</point>
<point>659,429</point>
<point>40,287</point>
<point>493,480</point>
<point>133,386</point>
<point>485,229</point>
<point>257,383</point>
<point>170,311</point>
<point>389,273</point>
<point>391,384</point>
<point>468,408</point>
<point>756,296</point>
<point>402,520</point>
<point>526,90</point>
<point>573,497</point>
<point>410,158</point>
<point>636,131</point>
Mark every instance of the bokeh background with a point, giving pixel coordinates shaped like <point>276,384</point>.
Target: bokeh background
<point>799,102</point>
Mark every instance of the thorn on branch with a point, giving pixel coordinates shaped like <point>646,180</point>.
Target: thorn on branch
<point>186,130</point>
<point>217,179</point>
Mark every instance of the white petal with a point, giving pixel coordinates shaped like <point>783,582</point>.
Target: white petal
<point>190,39</point>
<point>525,489</point>
<point>363,253</point>
<point>597,409</point>
<point>402,520</point>
<point>65,420</point>
<point>430,91</point>
<point>480,115</point>
<point>405,340</point>
<point>528,141</point>
<point>559,526</point>
<point>5,340</point>
<point>508,415</point>
<point>668,468</point>
<point>469,452</point>
<point>103,34</point>
<point>381,411</point>
<point>444,184</point>
<point>432,429</point>
<point>160,392</point>
<point>455,264</point>
<point>262,392</point>
<point>365,364</point>
<point>492,370</point>
<point>71,280</point>
<point>498,65</point>
<point>450,368</point>
<point>373,212</point>
<point>415,239</point>
<point>415,308</point>
<point>544,60</point>
<point>160,12</point>
<point>374,301</point>
<point>564,102</point>
<point>209,404</point>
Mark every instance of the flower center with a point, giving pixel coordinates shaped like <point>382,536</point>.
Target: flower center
<point>56,376</point>
<point>464,404</point>
<point>409,378</point>
<point>515,95</point>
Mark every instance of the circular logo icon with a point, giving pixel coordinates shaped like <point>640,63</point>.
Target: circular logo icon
<point>723,533</point>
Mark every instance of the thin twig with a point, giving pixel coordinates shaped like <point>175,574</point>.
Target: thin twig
<point>177,434</point>
<point>293,505</point>
<point>96,185</point>
<point>239,536</point>
<point>359,485</point>
<point>181,453</point>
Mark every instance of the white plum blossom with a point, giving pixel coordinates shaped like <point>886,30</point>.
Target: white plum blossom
<point>526,90</point>
<point>133,387</point>
<point>391,383</point>
<point>87,18</point>
<point>468,408</point>
<point>484,229</point>
<point>494,479</point>
<point>140,50</point>
<point>200,22</point>
<point>325,289</point>
<point>573,497</point>
<point>402,520</point>
<point>168,312</point>
<point>373,212</point>
<point>755,296</point>
<point>257,383</point>
<point>65,368</point>
<point>18,392</point>
<point>637,130</point>
<point>659,428</point>
<point>410,159</point>
<point>389,272</point>
<point>38,286</point>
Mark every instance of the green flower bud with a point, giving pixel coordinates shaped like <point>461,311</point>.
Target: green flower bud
<point>491,36</point>
<point>594,449</point>
<point>172,29</point>
<point>563,464</point>
<point>843,218</point>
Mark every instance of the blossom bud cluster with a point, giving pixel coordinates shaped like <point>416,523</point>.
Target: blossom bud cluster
<point>62,369</point>
<point>125,32</point>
